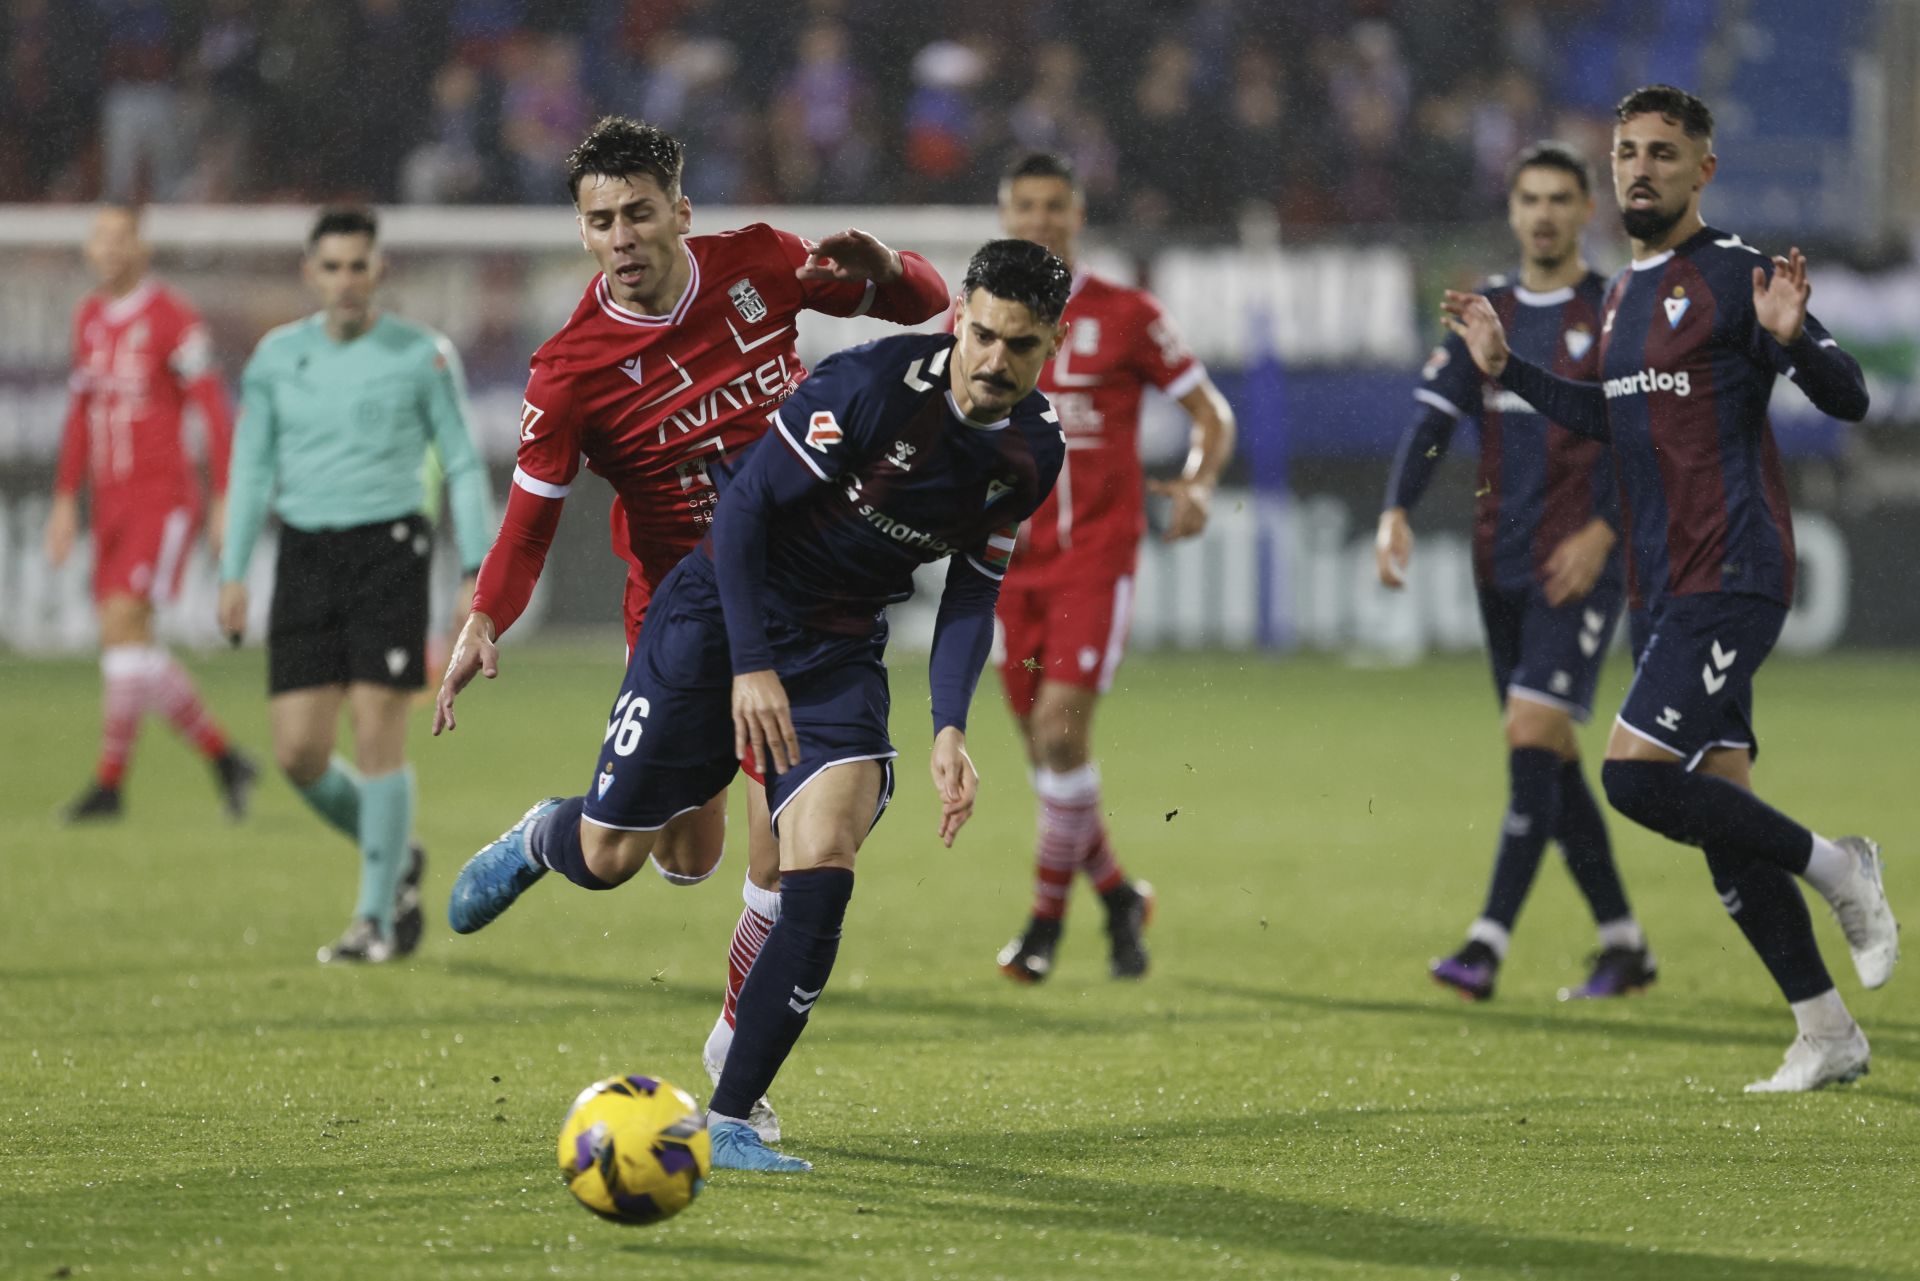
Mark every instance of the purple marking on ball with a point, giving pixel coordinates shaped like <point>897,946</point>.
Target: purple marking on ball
<point>674,1159</point>
<point>636,1205</point>
<point>583,1150</point>
<point>646,1083</point>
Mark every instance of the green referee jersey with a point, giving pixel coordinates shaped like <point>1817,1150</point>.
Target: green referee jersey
<point>336,434</point>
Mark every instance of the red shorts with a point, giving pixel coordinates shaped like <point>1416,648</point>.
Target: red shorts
<point>1074,635</point>
<point>140,549</point>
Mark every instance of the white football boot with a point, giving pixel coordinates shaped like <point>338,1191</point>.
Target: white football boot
<point>761,1118</point>
<point>1860,905</point>
<point>1814,1061</point>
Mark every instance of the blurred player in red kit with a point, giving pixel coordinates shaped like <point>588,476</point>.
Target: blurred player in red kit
<point>1067,601</point>
<point>140,354</point>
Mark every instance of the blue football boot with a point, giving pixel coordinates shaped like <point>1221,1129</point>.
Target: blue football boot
<point>737,1147</point>
<point>500,873</point>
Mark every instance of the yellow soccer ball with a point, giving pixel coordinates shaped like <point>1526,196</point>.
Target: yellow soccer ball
<point>634,1149</point>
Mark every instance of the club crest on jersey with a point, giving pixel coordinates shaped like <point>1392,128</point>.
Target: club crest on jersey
<point>747,301</point>
<point>996,490</point>
<point>1676,306</point>
<point>1579,340</point>
<point>603,782</point>
<point>822,431</point>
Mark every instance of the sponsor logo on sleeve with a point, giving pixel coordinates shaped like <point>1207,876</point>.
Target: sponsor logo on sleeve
<point>823,432</point>
<point>530,414</point>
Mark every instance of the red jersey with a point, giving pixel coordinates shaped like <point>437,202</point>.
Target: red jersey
<point>136,362</point>
<point>1118,344</point>
<point>649,402</point>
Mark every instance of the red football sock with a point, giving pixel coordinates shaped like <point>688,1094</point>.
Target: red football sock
<point>1069,816</point>
<point>123,694</point>
<point>171,692</point>
<point>1101,867</point>
<point>749,936</point>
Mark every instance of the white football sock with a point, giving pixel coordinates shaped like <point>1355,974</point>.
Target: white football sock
<point>1828,866</point>
<point>1824,1016</point>
<point>1624,932</point>
<point>1492,933</point>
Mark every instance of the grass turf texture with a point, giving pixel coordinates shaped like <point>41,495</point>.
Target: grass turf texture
<point>183,1091</point>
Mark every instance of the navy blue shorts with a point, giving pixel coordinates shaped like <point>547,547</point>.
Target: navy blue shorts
<point>668,746</point>
<point>1545,653</point>
<point>1693,686</point>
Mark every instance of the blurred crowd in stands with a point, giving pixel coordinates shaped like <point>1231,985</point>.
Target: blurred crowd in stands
<point>1195,113</point>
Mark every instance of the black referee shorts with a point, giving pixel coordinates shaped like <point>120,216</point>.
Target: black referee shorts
<point>350,605</point>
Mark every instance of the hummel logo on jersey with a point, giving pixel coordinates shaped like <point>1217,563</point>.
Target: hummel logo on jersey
<point>529,415</point>
<point>1676,306</point>
<point>902,451</point>
<point>1579,340</point>
<point>935,365</point>
<point>1668,718</point>
<point>1714,674</point>
<point>802,1000</point>
<point>631,368</point>
<point>1594,622</point>
<point>1649,380</point>
<point>996,490</point>
<point>1730,899</point>
<point>747,301</point>
<point>823,431</point>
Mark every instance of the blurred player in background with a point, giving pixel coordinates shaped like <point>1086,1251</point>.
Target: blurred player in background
<point>140,354</point>
<point>1693,338</point>
<point>1546,561</point>
<point>771,637</point>
<point>338,411</point>
<point>679,349</point>
<point>1068,600</point>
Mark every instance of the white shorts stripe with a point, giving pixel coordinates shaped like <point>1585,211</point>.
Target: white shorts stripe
<point>1117,632</point>
<point>173,546</point>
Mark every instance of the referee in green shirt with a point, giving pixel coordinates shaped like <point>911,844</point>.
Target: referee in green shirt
<point>338,413</point>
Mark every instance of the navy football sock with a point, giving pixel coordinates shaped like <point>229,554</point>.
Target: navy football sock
<point>1766,904</point>
<point>1698,809</point>
<point>1533,804</point>
<point>554,842</point>
<point>787,978</point>
<point>1582,834</point>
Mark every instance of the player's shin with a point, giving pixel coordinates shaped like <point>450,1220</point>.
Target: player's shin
<point>1533,807</point>
<point>1582,833</point>
<point>386,822</point>
<point>554,842</point>
<point>1766,904</point>
<point>335,797</point>
<point>786,980</point>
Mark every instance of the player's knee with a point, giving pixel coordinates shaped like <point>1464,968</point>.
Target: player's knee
<point>1061,742</point>
<point>1639,789</point>
<point>612,854</point>
<point>302,763</point>
<point>687,862</point>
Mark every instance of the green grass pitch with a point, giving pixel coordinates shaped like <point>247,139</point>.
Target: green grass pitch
<point>184,1092</point>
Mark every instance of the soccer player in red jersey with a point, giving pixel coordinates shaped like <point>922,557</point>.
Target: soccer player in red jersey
<point>677,353</point>
<point>140,354</point>
<point>1066,603</point>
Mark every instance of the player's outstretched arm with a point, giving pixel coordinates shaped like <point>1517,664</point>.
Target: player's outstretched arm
<point>905,288</point>
<point>475,653</point>
<point>955,779</point>
<point>1579,407</point>
<point>851,255</point>
<point>1830,377</point>
<point>63,528</point>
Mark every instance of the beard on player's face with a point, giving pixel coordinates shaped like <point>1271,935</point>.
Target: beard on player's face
<point>1650,222</point>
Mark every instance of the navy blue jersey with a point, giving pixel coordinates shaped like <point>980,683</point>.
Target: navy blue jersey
<point>1687,372</point>
<point>905,480</point>
<point>1537,482</point>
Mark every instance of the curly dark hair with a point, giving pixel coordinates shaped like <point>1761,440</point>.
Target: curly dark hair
<point>1020,271</point>
<point>621,147</point>
<point>1676,105</point>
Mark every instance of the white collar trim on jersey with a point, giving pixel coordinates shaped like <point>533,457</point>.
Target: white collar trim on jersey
<point>1648,264</point>
<point>603,293</point>
<point>954,405</point>
<point>1552,298</point>
<point>129,304</point>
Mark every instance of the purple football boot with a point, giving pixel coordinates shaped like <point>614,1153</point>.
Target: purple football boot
<point>1470,971</point>
<point>1616,972</point>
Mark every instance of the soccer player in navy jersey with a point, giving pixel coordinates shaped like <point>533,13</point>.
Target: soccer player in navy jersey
<point>769,637</point>
<point>1693,337</point>
<point>1547,567</point>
